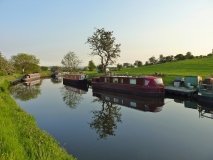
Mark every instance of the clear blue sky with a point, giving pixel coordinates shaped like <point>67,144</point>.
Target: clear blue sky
<point>49,29</point>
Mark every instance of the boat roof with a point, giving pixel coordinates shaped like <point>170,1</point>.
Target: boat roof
<point>75,74</point>
<point>148,77</point>
<point>31,74</point>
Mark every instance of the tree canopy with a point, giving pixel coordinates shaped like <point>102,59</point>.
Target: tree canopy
<point>119,66</point>
<point>103,45</point>
<point>91,65</point>
<point>71,62</point>
<point>56,68</point>
<point>25,63</point>
<point>44,68</point>
<point>6,68</point>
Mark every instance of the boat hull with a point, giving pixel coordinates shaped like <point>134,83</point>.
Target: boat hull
<point>205,99</point>
<point>75,82</point>
<point>29,79</point>
<point>131,89</point>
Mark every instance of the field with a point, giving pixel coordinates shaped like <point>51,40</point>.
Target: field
<point>195,67</point>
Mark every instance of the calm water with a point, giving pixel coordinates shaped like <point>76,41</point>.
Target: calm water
<point>91,127</point>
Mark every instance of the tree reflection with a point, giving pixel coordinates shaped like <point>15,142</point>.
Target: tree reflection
<point>104,121</point>
<point>71,96</point>
<point>25,92</point>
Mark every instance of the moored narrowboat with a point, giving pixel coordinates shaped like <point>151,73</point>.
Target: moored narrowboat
<point>75,79</point>
<point>56,74</point>
<point>137,85</point>
<point>205,91</point>
<point>30,77</point>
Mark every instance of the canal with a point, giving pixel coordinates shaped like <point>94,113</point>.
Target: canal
<point>98,125</point>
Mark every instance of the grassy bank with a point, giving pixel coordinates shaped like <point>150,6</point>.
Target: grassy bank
<point>171,70</point>
<point>20,137</point>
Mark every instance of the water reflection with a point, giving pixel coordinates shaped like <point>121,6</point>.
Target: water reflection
<point>176,132</point>
<point>27,90</point>
<point>205,110</point>
<point>104,120</point>
<point>72,95</point>
<point>56,80</point>
<point>146,104</point>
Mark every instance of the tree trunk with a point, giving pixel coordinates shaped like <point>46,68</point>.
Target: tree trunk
<point>104,68</point>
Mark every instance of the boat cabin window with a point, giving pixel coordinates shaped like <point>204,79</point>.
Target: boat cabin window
<point>106,79</point>
<point>132,81</point>
<point>133,104</point>
<point>122,101</point>
<point>159,81</point>
<point>116,100</point>
<point>205,87</point>
<point>75,77</point>
<point>115,80</point>
<point>107,98</point>
<point>146,82</point>
<point>122,81</point>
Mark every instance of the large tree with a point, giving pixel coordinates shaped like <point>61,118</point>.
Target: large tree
<point>103,45</point>
<point>71,62</point>
<point>6,68</point>
<point>25,62</point>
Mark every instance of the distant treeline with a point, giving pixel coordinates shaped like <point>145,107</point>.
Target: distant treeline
<point>163,59</point>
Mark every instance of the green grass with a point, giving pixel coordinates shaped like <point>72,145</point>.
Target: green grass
<point>20,137</point>
<point>195,67</point>
<point>45,73</point>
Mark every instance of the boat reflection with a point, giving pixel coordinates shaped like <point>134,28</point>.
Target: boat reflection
<point>27,90</point>
<point>56,80</point>
<point>146,104</point>
<point>77,89</point>
<point>205,110</point>
<point>31,83</point>
<point>72,96</point>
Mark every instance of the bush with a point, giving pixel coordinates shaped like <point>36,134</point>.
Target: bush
<point>44,68</point>
<point>3,73</point>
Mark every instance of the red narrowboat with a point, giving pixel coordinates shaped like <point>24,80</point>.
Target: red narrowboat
<point>137,85</point>
<point>30,77</point>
